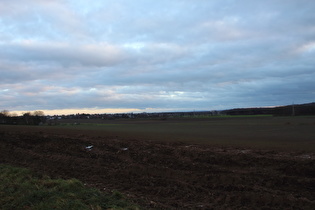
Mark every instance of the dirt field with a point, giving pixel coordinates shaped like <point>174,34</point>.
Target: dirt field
<point>168,174</point>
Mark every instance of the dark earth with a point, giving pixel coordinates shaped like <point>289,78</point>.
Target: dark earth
<point>161,175</point>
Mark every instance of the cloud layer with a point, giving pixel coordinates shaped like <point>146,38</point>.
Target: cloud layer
<point>156,55</point>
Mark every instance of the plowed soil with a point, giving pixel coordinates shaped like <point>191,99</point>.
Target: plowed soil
<point>161,175</point>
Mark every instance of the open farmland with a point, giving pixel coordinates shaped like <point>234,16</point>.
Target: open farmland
<point>259,132</point>
<point>187,163</point>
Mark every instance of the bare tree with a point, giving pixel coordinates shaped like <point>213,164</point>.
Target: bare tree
<point>4,116</point>
<point>38,113</point>
<point>5,113</point>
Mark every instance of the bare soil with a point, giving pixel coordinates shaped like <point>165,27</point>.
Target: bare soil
<point>162,175</point>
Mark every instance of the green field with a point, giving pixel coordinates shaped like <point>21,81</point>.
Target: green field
<point>266,132</point>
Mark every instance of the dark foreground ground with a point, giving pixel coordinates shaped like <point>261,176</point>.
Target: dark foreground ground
<point>162,175</point>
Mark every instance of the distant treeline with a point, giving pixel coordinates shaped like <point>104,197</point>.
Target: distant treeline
<point>35,118</point>
<point>249,111</point>
<point>290,110</point>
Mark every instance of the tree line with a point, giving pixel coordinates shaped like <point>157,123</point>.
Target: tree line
<point>289,110</point>
<point>28,118</point>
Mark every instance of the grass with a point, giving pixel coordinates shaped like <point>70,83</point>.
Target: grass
<point>227,116</point>
<point>266,132</point>
<point>22,189</point>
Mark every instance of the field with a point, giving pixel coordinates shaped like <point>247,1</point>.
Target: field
<point>186,163</point>
<point>258,132</point>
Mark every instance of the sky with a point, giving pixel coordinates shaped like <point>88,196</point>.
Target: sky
<point>111,56</point>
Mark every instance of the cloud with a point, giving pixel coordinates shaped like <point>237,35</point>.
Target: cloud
<point>102,54</point>
<point>155,55</point>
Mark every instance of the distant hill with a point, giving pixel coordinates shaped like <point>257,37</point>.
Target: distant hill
<point>249,111</point>
<point>295,109</point>
<point>289,110</point>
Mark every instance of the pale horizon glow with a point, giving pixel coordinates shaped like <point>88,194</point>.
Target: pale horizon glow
<point>98,111</point>
<point>79,111</point>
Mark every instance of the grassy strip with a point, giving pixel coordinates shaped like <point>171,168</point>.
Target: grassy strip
<point>226,116</point>
<point>22,189</point>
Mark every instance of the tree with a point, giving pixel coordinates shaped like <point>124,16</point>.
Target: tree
<point>38,117</point>
<point>38,113</point>
<point>5,113</point>
<point>5,117</point>
<point>26,117</point>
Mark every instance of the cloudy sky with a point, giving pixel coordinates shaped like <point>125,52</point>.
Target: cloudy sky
<point>71,56</point>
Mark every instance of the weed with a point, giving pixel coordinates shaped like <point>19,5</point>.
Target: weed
<point>21,189</point>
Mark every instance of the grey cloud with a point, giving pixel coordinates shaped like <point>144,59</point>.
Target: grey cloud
<point>156,54</point>
<point>95,55</point>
